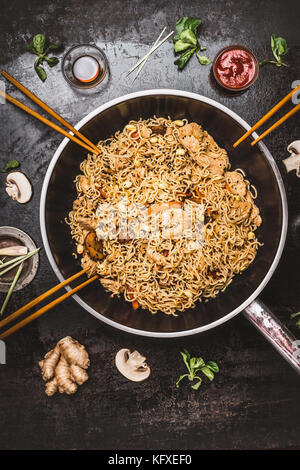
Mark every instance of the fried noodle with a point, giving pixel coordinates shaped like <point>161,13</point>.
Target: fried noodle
<point>152,162</point>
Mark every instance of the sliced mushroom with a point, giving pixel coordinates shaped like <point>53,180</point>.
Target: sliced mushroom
<point>293,162</point>
<point>160,129</point>
<point>93,246</point>
<point>18,187</point>
<point>132,365</point>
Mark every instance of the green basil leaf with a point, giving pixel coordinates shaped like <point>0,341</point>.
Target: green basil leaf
<point>188,23</point>
<point>51,61</point>
<point>202,48</point>
<point>209,374</point>
<point>30,48</point>
<point>188,36</point>
<point>40,70</point>
<point>52,47</point>
<point>273,38</point>
<point>187,354</point>
<point>11,165</point>
<point>39,42</point>
<point>197,385</point>
<point>184,58</point>
<point>180,46</point>
<point>294,315</point>
<point>179,380</point>
<point>282,47</point>
<point>203,59</point>
<point>213,366</point>
<point>186,360</point>
<point>197,362</point>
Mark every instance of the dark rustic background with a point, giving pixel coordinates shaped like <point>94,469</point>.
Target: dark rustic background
<point>254,401</point>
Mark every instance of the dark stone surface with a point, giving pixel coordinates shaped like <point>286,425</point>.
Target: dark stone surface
<point>254,401</point>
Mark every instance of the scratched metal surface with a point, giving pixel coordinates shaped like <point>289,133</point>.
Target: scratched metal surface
<point>254,401</point>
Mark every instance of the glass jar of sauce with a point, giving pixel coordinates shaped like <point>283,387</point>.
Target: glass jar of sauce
<point>235,68</point>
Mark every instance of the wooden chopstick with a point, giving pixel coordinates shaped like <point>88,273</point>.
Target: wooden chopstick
<point>278,123</point>
<point>47,108</point>
<point>45,121</point>
<point>266,117</point>
<point>41,297</point>
<point>44,309</point>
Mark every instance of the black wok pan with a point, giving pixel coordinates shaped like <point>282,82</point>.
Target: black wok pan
<point>226,127</point>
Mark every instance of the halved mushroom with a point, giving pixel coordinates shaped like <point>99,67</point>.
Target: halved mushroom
<point>293,162</point>
<point>132,365</point>
<point>18,187</point>
<point>93,246</point>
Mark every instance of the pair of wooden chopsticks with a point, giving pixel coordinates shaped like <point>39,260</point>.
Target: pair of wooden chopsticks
<point>44,309</point>
<point>84,142</point>
<point>267,116</point>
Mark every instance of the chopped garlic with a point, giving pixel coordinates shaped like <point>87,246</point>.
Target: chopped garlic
<point>131,127</point>
<point>80,249</point>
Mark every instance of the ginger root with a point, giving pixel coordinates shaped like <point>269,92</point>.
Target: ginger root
<point>63,368</point>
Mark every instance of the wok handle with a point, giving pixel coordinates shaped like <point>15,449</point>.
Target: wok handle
<point>275,332</point>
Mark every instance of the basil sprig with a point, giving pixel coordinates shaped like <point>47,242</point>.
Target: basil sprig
<point>195,365</point>
<point>39,47</point>
<point>294,315</point>
<point>10,165</point>
<point>186,42</point>
<point>279,48</point>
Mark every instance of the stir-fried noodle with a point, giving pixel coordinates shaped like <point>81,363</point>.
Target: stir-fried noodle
<point>159,165</point>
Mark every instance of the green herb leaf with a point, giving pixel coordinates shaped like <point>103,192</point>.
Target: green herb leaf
<point>188,23</point>
<point>180,46</point>
<point>30,48</point>
<point>37,47</point>
<point>189,37</point>
<point>40,70</point>
<point>180,378</point>
<point>52,47</point>
<point>186,359</point>
<point>202,48</point>
<point>294,315</point>
<point>184,58</point>
<point>213,366</point>
<point>279,48</point>
<point>195,364</point>
<point>197,385</point>
<point>51,61</point>
<point>11,165</point>
<point>39,42</point>
<point>209,373</point>
<point>203,59</point>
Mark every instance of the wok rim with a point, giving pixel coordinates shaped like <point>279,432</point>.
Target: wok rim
<point>263,148</point>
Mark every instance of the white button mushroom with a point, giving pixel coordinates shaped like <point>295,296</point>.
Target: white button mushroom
<point>293,162</point>
<point>132,365</point>
<point>18,187</point>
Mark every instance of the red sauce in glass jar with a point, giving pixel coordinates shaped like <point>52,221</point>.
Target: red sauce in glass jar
<point>235,68</point>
